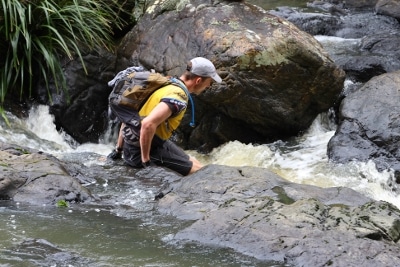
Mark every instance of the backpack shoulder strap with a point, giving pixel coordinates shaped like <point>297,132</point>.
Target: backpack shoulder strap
<point>180,84</point>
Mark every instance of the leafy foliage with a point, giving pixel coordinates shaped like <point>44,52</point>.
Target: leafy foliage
<point>36,34</point>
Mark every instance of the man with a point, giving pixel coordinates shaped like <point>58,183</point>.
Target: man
<point>162,114</point>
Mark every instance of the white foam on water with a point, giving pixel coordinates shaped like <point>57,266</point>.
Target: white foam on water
<point>41,123</point>
<point>304,160</point>
<point>44,135</point>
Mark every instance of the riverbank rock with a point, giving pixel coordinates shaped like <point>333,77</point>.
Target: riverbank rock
<point>376,50</point>
<point>30,176</point>
<point>368,125</point>
<point>276,78</point>
<point>256,212</point>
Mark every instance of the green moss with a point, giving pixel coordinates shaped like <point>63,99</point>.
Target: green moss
<point>270,21</point>
<point>255,58</point>
<point>23,151</point>
<point>282,196</point>
<point>234,25</point>
<point>62,203</point>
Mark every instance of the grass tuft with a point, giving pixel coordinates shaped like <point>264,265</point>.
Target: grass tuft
<point>36,34</point>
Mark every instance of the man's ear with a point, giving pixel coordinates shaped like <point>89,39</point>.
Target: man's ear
<point>198,80</point>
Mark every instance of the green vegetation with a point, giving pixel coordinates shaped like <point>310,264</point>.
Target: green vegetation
<point>23,150</point>
<point>62,203</point>
<point>35,35</point>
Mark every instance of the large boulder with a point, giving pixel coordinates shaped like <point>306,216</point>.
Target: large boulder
<point>369,125</point>
<point>276,78</point>
<point>389,8</point>
<point>255,212</point>
<point>81,111</point>
<point>30,176</point>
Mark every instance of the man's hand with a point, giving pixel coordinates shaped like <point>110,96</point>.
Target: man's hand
<point>115,154</point>
<point>148,164</point>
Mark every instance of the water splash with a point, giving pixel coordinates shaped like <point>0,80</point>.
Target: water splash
<point>39,132</point>
<point>41,123</point>
<point>304,160</point>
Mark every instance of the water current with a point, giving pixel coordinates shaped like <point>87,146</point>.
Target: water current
<point>131,233</point>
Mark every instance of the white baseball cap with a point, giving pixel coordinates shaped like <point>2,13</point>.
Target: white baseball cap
<point>204,68</point>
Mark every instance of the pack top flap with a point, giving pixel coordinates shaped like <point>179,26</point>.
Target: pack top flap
<point>136,88</point>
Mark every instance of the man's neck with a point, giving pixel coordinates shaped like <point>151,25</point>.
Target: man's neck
<point>187,83</point>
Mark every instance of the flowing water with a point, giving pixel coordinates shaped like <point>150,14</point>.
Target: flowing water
<point>129,232</point>
<point>271,4</point>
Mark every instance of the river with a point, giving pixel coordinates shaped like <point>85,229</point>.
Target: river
<point>131,233</point>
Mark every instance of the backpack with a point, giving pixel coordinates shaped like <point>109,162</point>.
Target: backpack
<point>132,88</point>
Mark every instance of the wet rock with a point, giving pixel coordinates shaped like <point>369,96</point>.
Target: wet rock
<point>362,68</point>
<point>378,36</point>
<point>351,4</point>
<point>368,125</point>
<point>334,8</point>
<point>312,23</point>
<point>389,8</point>
<point>40,252</point>
<point>30,176</point>
<point>260,214</point>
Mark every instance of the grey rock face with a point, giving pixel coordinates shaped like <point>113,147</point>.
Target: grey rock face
<point>260,214</point>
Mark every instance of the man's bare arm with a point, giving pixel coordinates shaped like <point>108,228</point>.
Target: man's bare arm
<point>149,125</point>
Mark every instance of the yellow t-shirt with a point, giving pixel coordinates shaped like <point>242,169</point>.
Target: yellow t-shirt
<point>176,99</point>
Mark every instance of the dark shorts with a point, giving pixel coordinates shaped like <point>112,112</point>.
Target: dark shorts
<point>168,155</point>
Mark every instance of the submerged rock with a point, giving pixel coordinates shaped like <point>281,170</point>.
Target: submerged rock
<point>40,252</point>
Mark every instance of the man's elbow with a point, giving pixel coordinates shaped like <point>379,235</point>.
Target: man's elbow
<point>148,126</point>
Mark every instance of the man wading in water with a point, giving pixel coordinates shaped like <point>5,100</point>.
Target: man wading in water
<point>161,116</point>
